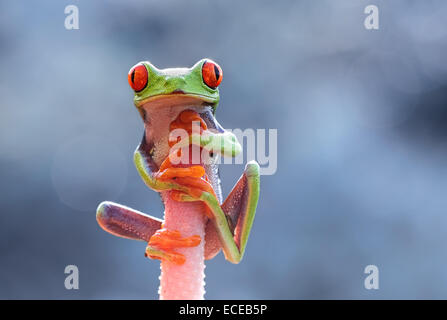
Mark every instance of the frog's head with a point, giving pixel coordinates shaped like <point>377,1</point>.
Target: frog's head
<point>196,86</point>
<point>161,94</point>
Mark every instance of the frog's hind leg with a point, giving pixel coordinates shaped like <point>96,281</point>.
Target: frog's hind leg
<point>212,241</point>
<point>126,222</point>
<point>240,205</point>
<point>237,213</point>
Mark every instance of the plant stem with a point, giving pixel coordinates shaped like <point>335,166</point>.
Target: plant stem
<point>184,281</point>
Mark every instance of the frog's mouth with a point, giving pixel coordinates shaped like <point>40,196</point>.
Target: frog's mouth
<point>177,97</point>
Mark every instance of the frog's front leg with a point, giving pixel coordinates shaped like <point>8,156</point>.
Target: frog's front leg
<point>148,169</point>
<point>162,243</point>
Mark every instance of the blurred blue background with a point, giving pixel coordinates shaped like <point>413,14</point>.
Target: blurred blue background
<point>362,126</point>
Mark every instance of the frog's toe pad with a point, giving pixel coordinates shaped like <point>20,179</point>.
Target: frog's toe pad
<point>170,255</point>
<point>163,242</point>
<point>252,169</point>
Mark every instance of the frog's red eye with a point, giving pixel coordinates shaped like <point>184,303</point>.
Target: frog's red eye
<point>211,74</point>
<point>137,77</point>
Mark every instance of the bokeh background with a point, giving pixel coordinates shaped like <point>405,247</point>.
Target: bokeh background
<point>362,154</point>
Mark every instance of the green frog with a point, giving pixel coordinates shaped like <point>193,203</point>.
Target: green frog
<point>161,95</point>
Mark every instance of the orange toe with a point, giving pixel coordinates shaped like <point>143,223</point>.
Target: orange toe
<point>172,239</point>
<point>168,240</point>
<point>193,171</point>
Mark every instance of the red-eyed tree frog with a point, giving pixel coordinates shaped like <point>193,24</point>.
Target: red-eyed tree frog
<point>161,95</point>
